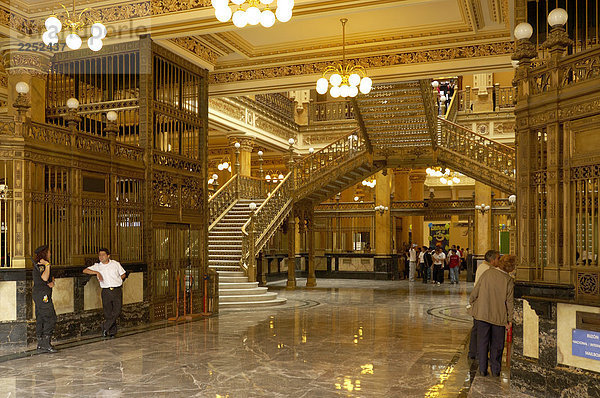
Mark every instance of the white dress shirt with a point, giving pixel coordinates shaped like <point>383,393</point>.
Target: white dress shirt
<point>111,273</point>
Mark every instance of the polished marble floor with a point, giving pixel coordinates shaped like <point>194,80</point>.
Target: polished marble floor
<point>350,338</point>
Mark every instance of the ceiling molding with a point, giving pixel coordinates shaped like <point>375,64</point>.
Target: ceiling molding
<point>378,61</point>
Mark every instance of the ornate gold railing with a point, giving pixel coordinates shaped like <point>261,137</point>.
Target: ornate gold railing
<point>277,102</point>
<point>327,111</point>
<point>222,200</point>
<point>263,223</point>
<point>251,187</point>
<point>431,109</point>
<point>504,97</point>
<point>312,167</point>
<point>474,153</point>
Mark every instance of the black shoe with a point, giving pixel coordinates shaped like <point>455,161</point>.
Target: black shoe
<point>44,345</point>
<point>480,373</point>
<point>496,374</point>
<point>104,334</point>
<point>111,336</point>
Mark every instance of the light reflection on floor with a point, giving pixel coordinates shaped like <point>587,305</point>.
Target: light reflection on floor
<point>344,338</point>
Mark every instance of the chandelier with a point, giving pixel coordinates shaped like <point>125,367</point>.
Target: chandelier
<point>369,183</point>
<point>224,165</point>
<point>345,79</point>
<point>447,176</point>
<point>252,15</point>
<point>74,23</point>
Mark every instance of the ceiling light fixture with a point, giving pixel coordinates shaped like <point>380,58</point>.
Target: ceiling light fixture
<point>345,79</point>
<point>53,27</point>
<point>249,13</point>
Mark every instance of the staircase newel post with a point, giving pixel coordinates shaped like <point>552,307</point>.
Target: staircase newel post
<point>291,168</point>
<point>467,99</point>
<point>236,170</point>
<point>261,173</point>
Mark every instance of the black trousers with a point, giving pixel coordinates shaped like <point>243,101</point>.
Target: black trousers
<point>112,300</point>
<point>490,338</point>
<point>473,341</point>
<point>438,273</point>
<point>45,317</point>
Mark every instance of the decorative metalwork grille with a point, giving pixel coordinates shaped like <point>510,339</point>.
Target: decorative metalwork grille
<point>130,219</point>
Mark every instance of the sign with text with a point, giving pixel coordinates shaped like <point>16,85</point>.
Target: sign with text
<point>586,344</point>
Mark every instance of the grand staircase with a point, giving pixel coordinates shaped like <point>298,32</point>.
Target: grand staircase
<point>224,254</point>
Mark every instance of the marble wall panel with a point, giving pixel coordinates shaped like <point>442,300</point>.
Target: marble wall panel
<point>321,263</point>
<point>531,330</point>
<point>8,301</point>
<point>63,295</point>
<point>92,295</point>
<point>133,288</point>
<point>356,264</point>
<point>566,322</point>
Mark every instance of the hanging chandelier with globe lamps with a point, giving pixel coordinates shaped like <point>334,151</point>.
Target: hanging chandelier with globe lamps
<point>344,80</point>
<point>249,12</point>
<point>75,23</point>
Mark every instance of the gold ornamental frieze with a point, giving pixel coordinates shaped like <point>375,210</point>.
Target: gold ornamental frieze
<point>378,61</point>
<point>197,48</point>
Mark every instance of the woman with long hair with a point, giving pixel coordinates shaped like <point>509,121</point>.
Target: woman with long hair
<point>43,282</point>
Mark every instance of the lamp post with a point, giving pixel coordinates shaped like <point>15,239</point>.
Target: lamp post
<point>558,39</point>
<point>237,146</point>
<point>291,142</point>
<point>72,118</point>
<point>22,104</point>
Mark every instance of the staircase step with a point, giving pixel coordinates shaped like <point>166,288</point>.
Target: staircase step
<point>251,304</point>
<point>243,292</point>
<point>225,274</point>
<point>226,268</point>
<point>248,297</point>
<point>235,279</point>
<point>241,284</point>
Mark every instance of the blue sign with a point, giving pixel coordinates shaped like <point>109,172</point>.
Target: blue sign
<point>586,344</point>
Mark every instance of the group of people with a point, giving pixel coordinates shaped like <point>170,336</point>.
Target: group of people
<point>430,263</point>
<point>110,274</point>
<point>491,305</point>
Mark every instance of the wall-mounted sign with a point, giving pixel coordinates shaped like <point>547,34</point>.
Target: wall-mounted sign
<point>586,344</point>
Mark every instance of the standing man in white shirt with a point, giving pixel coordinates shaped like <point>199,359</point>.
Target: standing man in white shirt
<point>412,258</point>
<point>110,274</point>
<point>439,257</point>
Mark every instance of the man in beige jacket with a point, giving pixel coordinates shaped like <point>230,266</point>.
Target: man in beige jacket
<point>490,261</point>
<point>492,308</point>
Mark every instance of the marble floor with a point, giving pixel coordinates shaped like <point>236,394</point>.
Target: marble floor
<point>349,338</point>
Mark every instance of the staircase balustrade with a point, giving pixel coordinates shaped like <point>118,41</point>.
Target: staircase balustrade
<point>330,111</point>
<point>263,223</point>
<point>314,166</point>
<point>251,187</point>
<point>452,107</point>
<point>224,198</point>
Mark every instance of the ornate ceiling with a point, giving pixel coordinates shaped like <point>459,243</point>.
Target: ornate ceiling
<point>394,39</point>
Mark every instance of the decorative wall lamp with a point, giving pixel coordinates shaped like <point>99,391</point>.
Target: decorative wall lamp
<point>260,165</point>
<point>344,79</point>
<point>483,208</point>
<point>75,24</point>
<point>381,209</point>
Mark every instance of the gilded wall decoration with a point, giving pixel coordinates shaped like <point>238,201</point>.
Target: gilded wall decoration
<point>378,61</point>
<point>482,128</point>
<point>164,190</point>
<point>3,80</point>
<point>578,110</point>
<point>197,48</point>
<point>191,194</point>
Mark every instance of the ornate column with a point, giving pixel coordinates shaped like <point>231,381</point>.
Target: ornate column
<point>30,67</point>
<point>383,188</point>
<point>291,235</point>
<point>483,236</point>
<point>454,233</point>
<point>417,192</point>
<point>401,192</point>
<point>311,279</point>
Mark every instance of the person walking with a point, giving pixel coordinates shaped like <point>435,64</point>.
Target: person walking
<point>422,252</point>
<point>43,282</point>
<point>412,258</point>
<point>492,308</point>
<point>439,257</point>
<point>454,265</point>
<point>110,274</point>
<point>490,260</point>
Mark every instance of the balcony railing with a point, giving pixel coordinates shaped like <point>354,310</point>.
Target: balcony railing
<point>330,111</point>
<point>502,98</point>
<point>278,103</point>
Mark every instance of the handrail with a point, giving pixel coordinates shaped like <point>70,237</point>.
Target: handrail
<point>264,221</point>
<point>221,200</point>
<point>452,108</point>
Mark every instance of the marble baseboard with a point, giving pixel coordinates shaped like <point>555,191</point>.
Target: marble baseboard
<point>87,323</point>
<point>529,377</point>
<point>13,333</point>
